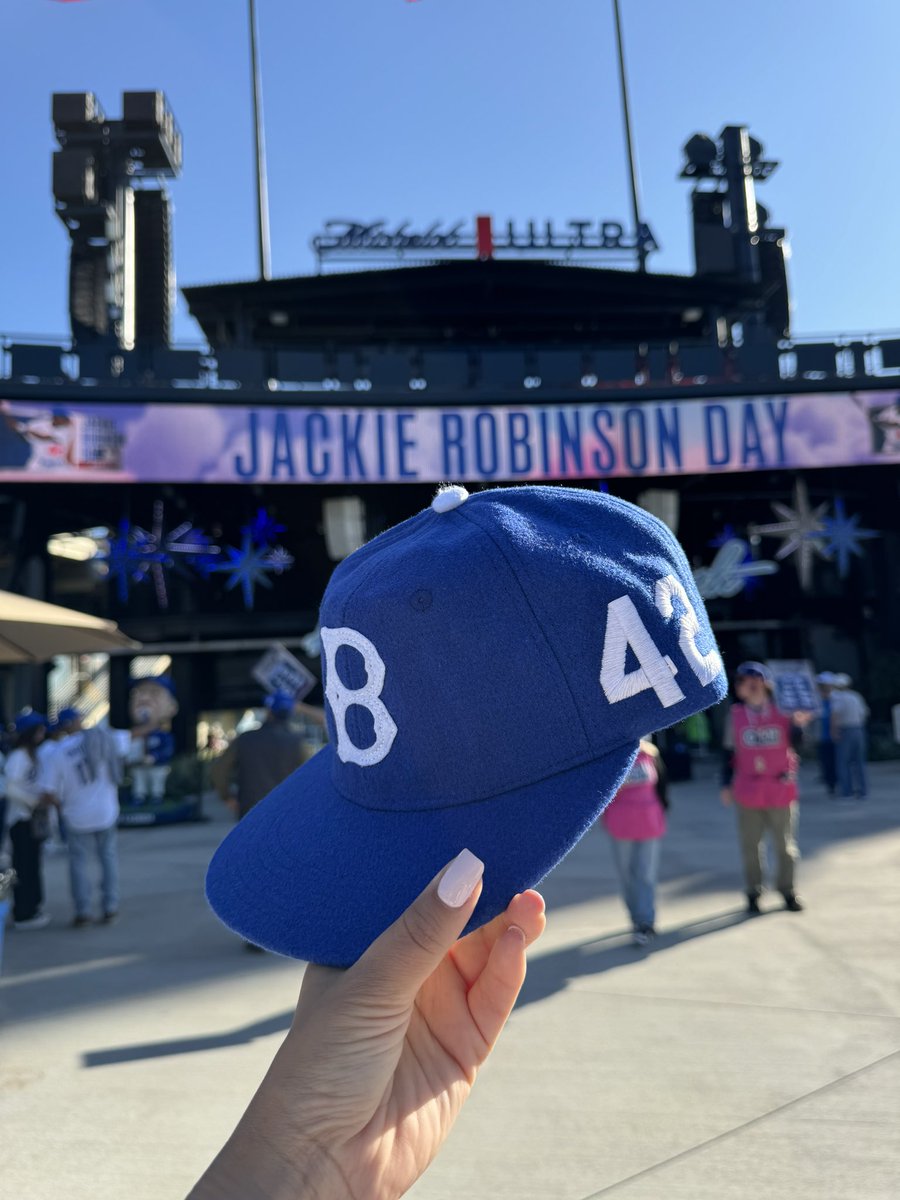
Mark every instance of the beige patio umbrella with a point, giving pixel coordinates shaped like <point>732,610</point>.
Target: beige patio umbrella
<point>32,631</point>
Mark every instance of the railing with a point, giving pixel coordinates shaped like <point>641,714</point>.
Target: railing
<point>370,369</point>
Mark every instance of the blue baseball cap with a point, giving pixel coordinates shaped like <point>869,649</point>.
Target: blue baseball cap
<point>489,667</point>
<point>280,702</point>
<point>67,715</point>
<point>756,668</point>
<point>163,681</point>
<point>29,720</point>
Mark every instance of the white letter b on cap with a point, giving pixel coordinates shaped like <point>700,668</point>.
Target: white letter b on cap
<point>369,696</point>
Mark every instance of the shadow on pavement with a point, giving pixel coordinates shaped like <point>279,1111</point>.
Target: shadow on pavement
<point>188,1045</point>
<point>167,939</point>
<point>551,973</point>
<point>546,975</point>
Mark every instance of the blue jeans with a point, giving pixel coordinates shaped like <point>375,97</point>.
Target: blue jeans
<point>851,761</point>
<point>103,843</point>
<point>638,864</point>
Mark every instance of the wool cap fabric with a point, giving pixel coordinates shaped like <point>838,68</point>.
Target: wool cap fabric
<point>489,666</point>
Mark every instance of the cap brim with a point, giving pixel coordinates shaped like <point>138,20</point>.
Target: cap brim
<point>309,874</point>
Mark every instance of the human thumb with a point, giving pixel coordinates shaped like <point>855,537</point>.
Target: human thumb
<point>399,961</point>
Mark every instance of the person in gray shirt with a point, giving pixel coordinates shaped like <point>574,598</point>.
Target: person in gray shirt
<point>849,714</point>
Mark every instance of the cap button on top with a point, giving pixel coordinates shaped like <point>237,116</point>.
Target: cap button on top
<point>449,497</point>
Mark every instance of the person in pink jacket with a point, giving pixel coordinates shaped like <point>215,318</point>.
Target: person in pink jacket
<point>636,822</point>
<point>759,777</point>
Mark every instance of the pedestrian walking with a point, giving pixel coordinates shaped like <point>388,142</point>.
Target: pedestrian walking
<point>259,759</point>
<point>28,823</point>
<point>849,715</point>
<point>759,777</point>
<point>636,824</point>
<point>4,860</point>
<point>827,759</point>
<point>67,722</point>
<point>83,778</point>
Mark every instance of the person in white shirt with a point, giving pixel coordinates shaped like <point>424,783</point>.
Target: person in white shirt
<point>68,721</point>
<point>4,860</point>
<point>25,810</point>
<point>849,714</point>
<point>83,779</point>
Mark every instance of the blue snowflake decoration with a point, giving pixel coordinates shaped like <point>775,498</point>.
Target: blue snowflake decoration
<point>129,558</point>
<point>135,554</point>
<point>843,536</point>
<point>204,555</point>
<point>247,567</point>
<point>263,529</point>
<point>727,535</point>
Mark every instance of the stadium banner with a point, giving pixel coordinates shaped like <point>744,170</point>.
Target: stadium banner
<point>71,440</point>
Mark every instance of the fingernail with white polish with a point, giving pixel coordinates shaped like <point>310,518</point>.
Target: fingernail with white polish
<point>460,879</point>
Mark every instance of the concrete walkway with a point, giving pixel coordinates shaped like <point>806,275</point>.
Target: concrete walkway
<point>737,1059</point>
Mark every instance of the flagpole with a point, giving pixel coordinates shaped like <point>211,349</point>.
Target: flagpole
<point>629,142</point>
<point>262,187</point>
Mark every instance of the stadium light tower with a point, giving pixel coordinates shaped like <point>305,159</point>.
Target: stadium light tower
<point>733,236</point>
<point>109,193</point>
<point>734,163</point>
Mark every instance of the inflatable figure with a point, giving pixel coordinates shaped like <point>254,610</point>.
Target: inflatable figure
<point>152,706</point>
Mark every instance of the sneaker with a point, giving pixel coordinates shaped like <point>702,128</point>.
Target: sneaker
<point>791,903</point>
<point>640,937</point>
<point>80,922</point>
<point>752,905</point>
<point>108,918</point>
<point>40,921</point>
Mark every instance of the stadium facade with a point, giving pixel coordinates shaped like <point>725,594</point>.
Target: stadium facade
<point>202,496</point>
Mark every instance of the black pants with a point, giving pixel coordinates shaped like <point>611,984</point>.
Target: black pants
<point>28,893</point>
<point>827,760</point>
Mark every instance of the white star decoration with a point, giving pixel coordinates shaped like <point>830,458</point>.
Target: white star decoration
<point>802,530</point>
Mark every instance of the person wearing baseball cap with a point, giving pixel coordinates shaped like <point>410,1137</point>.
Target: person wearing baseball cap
<point>489,667</point>
<point>849,715</point>
<point>27,821</point>
<point>67,722</point>
<point>258,760</point>
<point>827,757</point>
<point>759,776</point>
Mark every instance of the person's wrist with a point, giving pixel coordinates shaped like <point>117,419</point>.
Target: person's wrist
<point>255,1166</point>
<point>265,1161</point>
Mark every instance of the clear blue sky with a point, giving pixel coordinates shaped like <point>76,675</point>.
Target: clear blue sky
<point>445,108</point>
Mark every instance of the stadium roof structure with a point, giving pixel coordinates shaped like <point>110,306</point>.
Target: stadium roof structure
<point>495,302</point>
